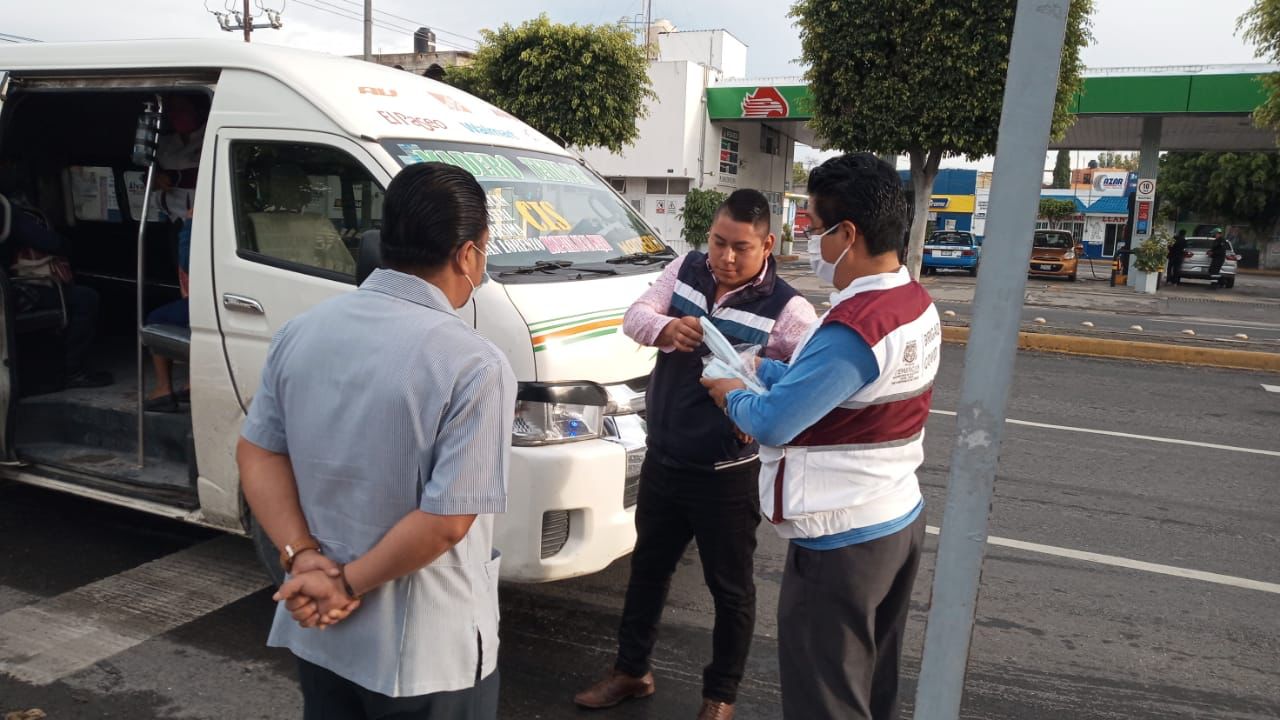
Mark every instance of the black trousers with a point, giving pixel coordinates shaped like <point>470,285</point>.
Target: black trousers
<point>1215,270</point>
<point>841,618</point>
<point>721,510</point>
<point>82,319</point>
<point>329,696</point>
<point>1175,271</point>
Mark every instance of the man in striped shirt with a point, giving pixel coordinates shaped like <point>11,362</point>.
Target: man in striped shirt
<point>699,475</point>
<point>375,453</point>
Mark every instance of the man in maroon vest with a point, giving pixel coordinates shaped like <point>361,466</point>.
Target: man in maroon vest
<point>841,431</point>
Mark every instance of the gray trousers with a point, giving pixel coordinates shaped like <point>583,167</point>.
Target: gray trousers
<point>841,617</point>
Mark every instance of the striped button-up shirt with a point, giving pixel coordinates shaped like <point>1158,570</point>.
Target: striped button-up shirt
<point>387,402</point>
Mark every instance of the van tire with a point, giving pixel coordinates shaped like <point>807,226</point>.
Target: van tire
<point>973,271</point>
<point>268,555</point>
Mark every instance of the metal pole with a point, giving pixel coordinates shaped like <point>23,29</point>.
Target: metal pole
<point>248,21</point>
<point>140,299</point>
<point>1032,82</point>
<point>368,30</point>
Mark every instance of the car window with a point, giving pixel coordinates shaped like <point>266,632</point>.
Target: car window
<point>1200,243</point>
<point>542,207</point>
<point>303,205</point>
<point>1053,240</point>
<point>958,239</point>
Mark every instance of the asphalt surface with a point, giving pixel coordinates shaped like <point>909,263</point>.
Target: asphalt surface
<point>1056,636</point>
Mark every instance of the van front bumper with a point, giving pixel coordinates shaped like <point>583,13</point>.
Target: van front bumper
<point>571,507</point>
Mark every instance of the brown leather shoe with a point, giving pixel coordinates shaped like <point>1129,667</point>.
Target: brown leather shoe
<point>715,710</point>
<point>615,688</point>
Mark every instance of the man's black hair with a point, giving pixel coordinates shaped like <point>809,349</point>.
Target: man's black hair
<point>865,190</point>
<point>431,209</point>
<point>747,206</point>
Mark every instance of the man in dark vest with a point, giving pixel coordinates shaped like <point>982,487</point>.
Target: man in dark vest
<point>1176,248</point>
<point>699,476</point>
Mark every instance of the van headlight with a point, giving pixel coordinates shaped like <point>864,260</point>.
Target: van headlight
<point>550,413</point>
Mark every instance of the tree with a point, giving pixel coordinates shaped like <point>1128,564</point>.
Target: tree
<point>1261,26</point>
<point>799,176</point>
<point>1062,170</point>
<point>698,213</point>
<point>921,79</point>
<point>1056,210</point>
<point>1224,186</point>
<point>1128,161</point>
<point>581,85</point>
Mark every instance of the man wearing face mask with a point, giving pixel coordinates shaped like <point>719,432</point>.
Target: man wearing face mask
<point>375,454</point>
<point>841,430</point>
<point>698,480</point>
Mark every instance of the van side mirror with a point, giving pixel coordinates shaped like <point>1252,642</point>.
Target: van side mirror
<point>370,257</point>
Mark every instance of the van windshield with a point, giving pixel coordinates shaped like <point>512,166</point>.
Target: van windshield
<point>542,207</point>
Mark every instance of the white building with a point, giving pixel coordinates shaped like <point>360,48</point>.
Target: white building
<point>709,128</point>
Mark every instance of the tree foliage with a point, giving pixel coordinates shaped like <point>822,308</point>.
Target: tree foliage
<point>1224,186</point>
<point>1261,26</point>
<point>799,175</point>
<point>1062,170</point>
<point>582,85</point>
<point>1128,161</point>
<point>1055,210</point>
<point>698,213</point>
<point>922,79</point>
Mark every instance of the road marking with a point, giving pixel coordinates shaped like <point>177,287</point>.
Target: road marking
<point>1258,326</point>
<point>1115,561</point>
<point>1131,436</point>
<point>53,638</point>
<point>1271,388</point>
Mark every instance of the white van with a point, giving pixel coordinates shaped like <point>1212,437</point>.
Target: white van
<point>567,257</point>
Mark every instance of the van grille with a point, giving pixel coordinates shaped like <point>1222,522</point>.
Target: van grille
<point>555,532</point>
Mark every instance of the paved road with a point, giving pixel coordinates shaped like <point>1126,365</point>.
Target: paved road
<point>1056,636</point>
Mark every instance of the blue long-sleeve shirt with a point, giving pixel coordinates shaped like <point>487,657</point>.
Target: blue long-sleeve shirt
<point>834,365</point>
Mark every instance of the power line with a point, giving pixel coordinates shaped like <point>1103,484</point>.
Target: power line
<point>349,15</point>
<point>9,37</point>
<point>415,22</point>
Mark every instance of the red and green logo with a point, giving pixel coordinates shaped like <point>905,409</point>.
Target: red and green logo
<point>765,102</point>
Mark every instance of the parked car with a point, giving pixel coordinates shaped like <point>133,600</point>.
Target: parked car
<point>1195,261</point>
<point>951,250</point>
<point>1054,253</point>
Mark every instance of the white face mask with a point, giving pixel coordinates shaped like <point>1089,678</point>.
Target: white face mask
<point>826,271</point>
<point>484,278</point>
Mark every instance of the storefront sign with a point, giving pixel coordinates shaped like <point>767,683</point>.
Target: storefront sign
<point>790,102</point>
<point>938,203</point>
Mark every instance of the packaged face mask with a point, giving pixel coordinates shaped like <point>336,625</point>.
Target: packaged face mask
<point>725,360</point>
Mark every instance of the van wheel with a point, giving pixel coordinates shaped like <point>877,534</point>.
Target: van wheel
<point>268,555</point>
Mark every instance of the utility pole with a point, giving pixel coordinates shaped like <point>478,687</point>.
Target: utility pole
<point>248,21</point>
<point>1038,30</point>
<point>368,30</point>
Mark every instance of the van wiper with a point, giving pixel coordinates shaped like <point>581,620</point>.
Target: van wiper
<point>643,258</point>
<point>551,266</point>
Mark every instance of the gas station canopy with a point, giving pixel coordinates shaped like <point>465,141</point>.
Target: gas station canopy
<point>1202,107</point>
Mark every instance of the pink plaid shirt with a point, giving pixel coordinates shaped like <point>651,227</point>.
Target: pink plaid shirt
<point>646,318</point>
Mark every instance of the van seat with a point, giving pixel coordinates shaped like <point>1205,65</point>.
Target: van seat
<point>171,341</point>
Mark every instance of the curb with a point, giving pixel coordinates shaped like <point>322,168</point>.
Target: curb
<point>1128,350</point>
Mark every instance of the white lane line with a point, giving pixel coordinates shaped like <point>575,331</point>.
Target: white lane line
<point>53,638</point>
<point>1131,436</point>
<point>1126,563</point>
<point>1258,326</point>
<point>1271,388</point>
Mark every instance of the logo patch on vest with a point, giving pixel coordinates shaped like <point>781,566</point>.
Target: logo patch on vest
<point>909,370</point>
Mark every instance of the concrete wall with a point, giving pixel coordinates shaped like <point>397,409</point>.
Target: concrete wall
<point>714,48</point>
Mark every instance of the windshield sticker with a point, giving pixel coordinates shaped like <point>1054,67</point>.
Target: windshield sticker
<point>502,224</point>
<point>641,244</point>
<point>560,244</point>
<point>488,131</point>
<point>395,118</point>
<point>559,172</point>
<point>508,246</point>
<point>542,216</point>
<point>484,166</point>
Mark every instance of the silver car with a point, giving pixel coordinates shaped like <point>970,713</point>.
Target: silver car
<point>1196,261</point>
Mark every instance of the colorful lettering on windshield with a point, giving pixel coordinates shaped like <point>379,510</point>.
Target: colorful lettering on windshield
<point>542,216</point>
<point>641,244</point>
<point>486,130</point>
<point>485,166</point>
<point>558,172</point>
